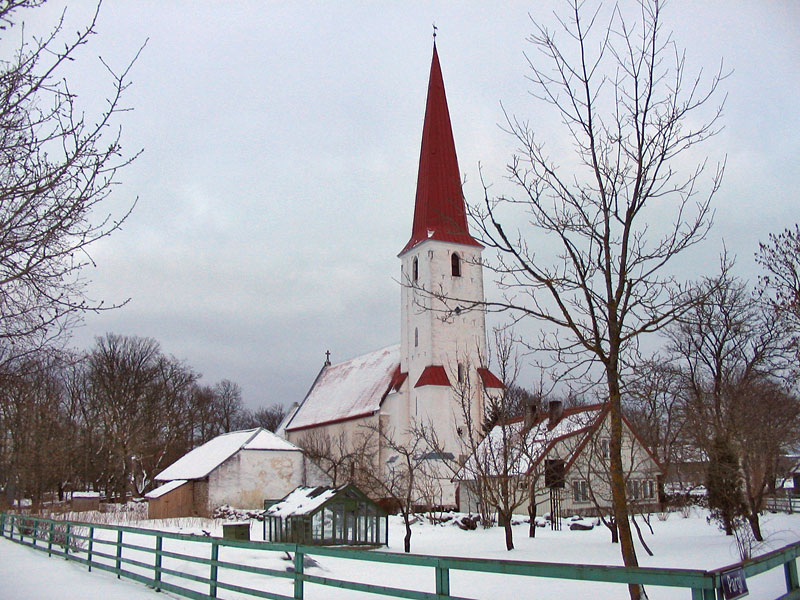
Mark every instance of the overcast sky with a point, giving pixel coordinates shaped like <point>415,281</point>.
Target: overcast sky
<point>281,142</point>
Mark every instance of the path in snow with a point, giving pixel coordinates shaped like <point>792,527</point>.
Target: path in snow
<point>28,574</point>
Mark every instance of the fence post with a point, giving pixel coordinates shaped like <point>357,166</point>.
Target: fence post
<point>703,594</point>
<point>50,539</point>
<point>442,581</point>
<point>119,553</point>
<point>157,575</point>
<point>2,524</point>
<point>790,572</point>
<point>214,557</point>
<point>91,545</point>
<point>298,573</point>
<point>35,531</point>
<point>66,541</point>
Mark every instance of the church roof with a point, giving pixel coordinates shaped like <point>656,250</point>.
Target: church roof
<point>439,211</point>
<point>351,389</point>
<point>202,460</point>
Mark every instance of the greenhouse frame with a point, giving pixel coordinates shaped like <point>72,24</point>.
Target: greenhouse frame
<point>325,516</point>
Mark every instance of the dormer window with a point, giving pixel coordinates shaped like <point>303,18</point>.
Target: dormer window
<point>455,265</point>
<point>415,270</point>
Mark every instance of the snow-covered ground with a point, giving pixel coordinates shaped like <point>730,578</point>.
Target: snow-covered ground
<point>677,542</point>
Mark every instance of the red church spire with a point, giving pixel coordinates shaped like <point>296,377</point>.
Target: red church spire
<point>439,212</point>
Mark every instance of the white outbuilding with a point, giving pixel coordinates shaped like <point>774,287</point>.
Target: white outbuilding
<point>241,469</point>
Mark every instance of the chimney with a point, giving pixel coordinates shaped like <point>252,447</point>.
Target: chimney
<point>556,411</point>
<point>529,414</point>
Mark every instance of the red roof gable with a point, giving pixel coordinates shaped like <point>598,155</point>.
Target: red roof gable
<point>489,379</point>
<point>439,212</point>
<point>433,375</point>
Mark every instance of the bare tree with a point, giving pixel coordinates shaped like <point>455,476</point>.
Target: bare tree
<point>268,417</point>
<point>58,168</point>
<point>337,455</point>
<point>403,479</point>
<point>33,456</point>
<point>656,408</point>
<point>228,405</point>
<point>615,217</point>
<point>780,257</point>
<point>765,424</point>
<point>500,471</point>
<point>728,346</point>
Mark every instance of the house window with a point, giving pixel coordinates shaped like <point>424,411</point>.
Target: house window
<point>605,451</point>
<point>580,491</point>
<point>649,489</point>
<point>416,337</point>
<point>455,265</point>
<point>633,488</point>
<point>415,269</point>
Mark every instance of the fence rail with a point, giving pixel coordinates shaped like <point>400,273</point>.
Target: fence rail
<point>82,543</point>
<point>788,504</point>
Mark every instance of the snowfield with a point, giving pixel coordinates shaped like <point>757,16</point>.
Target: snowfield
<point>677,542</point>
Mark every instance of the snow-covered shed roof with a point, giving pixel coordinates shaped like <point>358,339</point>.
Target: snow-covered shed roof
<point>204,459</point>
<point>166,488</point>
<point>350,389</point>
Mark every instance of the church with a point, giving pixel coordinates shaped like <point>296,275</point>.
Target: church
<point>439,367</point>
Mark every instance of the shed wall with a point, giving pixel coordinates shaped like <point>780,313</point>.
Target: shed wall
<point>177,503</point>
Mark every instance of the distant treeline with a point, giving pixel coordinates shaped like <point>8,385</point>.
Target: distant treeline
<point>109,419</point>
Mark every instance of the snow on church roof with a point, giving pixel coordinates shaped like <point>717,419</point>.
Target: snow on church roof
<point>204,459</point>
<point>350,389</point>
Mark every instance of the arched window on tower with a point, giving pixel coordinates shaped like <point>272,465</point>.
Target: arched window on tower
<point>460,373</point>
<point>416,337</point>
<point>455,265</point>
<point>415,269</point>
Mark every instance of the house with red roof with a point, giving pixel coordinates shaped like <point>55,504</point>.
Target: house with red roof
<point>560,457</point>
<point>442,326</point>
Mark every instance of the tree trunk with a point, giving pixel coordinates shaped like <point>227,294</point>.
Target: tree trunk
<point>532,515</point>
<point>506,517</point>
<point>617,474</point>
<point>407,539</point>
<point>755,525</point>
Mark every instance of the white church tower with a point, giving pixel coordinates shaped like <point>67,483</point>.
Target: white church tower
<point>443,333</point>
<point>442,353</point>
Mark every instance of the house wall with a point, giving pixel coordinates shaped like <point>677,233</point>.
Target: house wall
<point>591,466</point>
<point>177,503</point>
<point>249,477</point>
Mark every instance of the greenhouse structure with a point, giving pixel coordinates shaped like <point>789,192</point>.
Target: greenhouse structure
<point>325,516</point>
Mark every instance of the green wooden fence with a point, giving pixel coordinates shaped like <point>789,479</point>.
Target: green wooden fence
<point>80,542</point>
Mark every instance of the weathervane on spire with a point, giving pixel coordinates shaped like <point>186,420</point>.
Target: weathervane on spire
<point>434,31</point>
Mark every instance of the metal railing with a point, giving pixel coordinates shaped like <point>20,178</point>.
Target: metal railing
<point>81,542</point>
